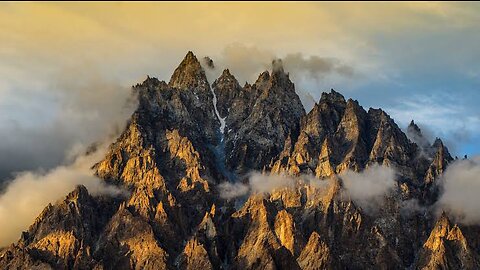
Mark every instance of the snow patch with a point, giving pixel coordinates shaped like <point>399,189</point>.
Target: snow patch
<point>222,120</point>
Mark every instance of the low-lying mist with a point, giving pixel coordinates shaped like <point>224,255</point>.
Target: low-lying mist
<point>29,192</point>
<point>460,187</point>
<point>366,188</point>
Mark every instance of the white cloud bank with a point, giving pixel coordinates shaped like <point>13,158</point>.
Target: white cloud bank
<point>28,194</point>
<point>461,190</point>
<point>366,188</point>
<point>257,183</point>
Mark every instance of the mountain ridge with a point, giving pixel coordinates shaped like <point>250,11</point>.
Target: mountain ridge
<point>168,158</point>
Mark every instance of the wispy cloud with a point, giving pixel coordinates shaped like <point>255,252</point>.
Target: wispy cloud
<point>44,121</point>
<point>444,116</point>
<point>460,187</point>
<point>369,187</point>
<point>27,194</point>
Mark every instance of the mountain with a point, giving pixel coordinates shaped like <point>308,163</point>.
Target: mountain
<point>178,150</point>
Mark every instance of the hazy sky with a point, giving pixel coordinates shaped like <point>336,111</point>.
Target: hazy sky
<point>66,68</point>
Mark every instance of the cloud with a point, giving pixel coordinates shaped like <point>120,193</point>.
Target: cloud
<point>76,107</point>
<point>262,183</point>
<point>422,139</point>
<point>309,72</point>
<point>259,183</point>
<point>411,206</point>
<point>247,62</point>
<point>232,190</point>
<point>368,188</point>
<point>26,196</point>
<point>445,116</point>
<point>315,66</point>
<point>460,187</point>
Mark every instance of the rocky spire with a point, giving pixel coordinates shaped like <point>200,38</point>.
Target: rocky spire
<point>277,66</point>
<point>446,248</point>
<point>189,74</point>
<point>350,140</point>
<point>413,128</point>
<point>315,128</point>
<point>439,163</point>
<point>260,121</point>
<point>333,98</point>
<point>263,78</point>
<point>227,89</point>
<point>390,145</point>
<point>316,254</point>
<point>414,133</point>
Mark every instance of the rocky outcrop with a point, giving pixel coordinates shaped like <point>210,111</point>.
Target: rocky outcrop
<point>441,159</point>
<point>337,135</point>
<point>228,91</point>
<point>268,251</point>
<point>64,234</point>
<point>128,242</point>
<point>316,129</point>
<point>446,248</point>
<point>194,256</point>
<point>315,255</point>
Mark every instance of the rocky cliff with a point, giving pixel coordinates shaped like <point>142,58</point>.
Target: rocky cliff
<point>179,148</point>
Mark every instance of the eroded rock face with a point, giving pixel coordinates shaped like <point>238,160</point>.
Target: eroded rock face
<point>316,254</point>
<point>63,236</point>
<point>194,256</point>
<point>128,242</point>
<point>168,160</point>
<point>447,248</point>
<point>338,135</point>
<point>255,134</point>
<point>228,91</point>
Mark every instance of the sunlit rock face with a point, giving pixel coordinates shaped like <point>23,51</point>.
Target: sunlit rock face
<point>447,248</point>
<point>174,215</point>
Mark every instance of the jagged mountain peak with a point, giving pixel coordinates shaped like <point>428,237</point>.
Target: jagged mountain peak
<point>79,193</point>
<point>332,97</point>
<point>379,112</point>
<point>263,77</point>
<point>226,73</point>
<point>227,89</point>
<point>189,74</point>
<point>227,77</point>
<point>412,127</point>
<point>277,76</point>
<point>438,143</point>
<point>353,103</point>
<point>443,220</point>
<point>442,150</point>
<point>446,248</point>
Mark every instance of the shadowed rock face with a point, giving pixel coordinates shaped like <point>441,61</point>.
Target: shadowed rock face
<point>255,132</point>
<point>174,216</point>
